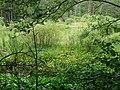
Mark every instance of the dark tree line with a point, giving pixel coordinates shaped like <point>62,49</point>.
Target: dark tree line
<point>43,9</point>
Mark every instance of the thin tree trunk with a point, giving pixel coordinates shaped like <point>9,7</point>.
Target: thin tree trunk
<point>90,7</point>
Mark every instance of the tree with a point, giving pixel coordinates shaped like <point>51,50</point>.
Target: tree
<point>43,9</point>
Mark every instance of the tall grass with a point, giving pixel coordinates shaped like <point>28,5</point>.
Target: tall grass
<point>74,32</point>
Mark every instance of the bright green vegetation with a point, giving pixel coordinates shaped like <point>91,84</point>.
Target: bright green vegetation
<point>82,53</point>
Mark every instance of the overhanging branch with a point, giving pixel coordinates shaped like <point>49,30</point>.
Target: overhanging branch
<point>81,1</point>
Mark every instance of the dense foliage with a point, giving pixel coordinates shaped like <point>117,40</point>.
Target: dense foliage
<point>54,9</point>
<point>59,45</point>
<point>82,53</point>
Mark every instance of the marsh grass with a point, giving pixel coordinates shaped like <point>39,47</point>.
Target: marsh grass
<point>69,50</point>
<point>78,33</point>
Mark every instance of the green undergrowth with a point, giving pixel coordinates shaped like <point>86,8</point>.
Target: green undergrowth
<point>82,53</point>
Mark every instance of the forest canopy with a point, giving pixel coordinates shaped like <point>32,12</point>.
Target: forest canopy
<point>55,9</point>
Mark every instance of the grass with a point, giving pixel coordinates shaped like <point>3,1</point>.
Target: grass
<point>71,54</point>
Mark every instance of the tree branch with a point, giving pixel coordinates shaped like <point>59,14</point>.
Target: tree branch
<point>86,1</point>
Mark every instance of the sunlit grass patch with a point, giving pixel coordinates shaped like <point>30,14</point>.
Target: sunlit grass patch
<point>78,25</point>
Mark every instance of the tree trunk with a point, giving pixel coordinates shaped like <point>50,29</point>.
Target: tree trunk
<point>90,7</point>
